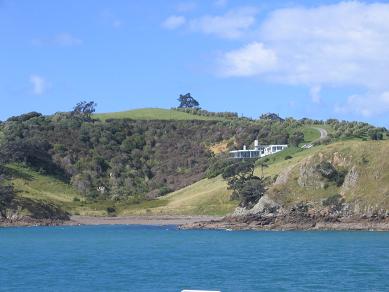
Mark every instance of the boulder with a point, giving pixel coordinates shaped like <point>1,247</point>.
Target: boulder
<point>265,205</point>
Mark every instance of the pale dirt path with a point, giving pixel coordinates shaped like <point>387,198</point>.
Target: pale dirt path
<point>323,133</point>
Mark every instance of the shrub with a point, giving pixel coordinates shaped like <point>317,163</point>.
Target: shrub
<point>327,170</point>
<point>163,191</point>
<point>335,202</point>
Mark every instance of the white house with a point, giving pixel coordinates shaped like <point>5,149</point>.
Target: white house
<point>258,151</point>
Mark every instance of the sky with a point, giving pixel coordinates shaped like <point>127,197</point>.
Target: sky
<point>317,59</point>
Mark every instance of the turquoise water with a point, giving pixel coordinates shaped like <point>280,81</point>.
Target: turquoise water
<point>139,258</point>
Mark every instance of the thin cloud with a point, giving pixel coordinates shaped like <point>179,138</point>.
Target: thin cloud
<point>253,59</point>
<point>111,19</point>
<point>174,22</point>
<point>62,39</point>
<point>315,94</point>
<point>117,23</point>
<point>221,3</point>
<point>231,25</point>
<point>186,7</point>
<point>367,105</point>
<point>38,84</point>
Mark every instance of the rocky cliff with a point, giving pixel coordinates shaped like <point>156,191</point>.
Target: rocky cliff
<point>340,186</point>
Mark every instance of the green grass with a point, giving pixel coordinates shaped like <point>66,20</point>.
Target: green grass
<point>371,189</point>
<point>277,162</point>
<point>206,197</point>
<point>310,134</point>
<point>31,184</point>
<point>152,114</point>
<point>211,196</point>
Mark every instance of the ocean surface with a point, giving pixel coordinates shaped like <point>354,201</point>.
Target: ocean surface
<point>146,258</point>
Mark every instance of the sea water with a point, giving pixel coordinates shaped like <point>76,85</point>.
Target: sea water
<point>144,258</point>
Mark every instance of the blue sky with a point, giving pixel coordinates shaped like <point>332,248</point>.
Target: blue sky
<point>317,59</point>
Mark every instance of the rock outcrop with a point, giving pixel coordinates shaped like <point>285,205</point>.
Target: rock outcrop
<point>26,212</point>
<point>326,190</point>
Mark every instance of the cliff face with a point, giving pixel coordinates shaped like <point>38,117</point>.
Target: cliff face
<point>340,186</point>
<point>350,177</point>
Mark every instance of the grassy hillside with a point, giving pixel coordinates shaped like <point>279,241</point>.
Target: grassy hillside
<point>210,196</point>
<point>310,134</point>
<point>31,184</point>
<point>366,185</point>
<point>371,189</point>
<point>206,197</point>
<point>152,114</point>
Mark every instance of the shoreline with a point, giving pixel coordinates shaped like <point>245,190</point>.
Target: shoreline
<point>153,220</point>
<point>156,220</point>
<point>347,225</point>
<point>204,222</point>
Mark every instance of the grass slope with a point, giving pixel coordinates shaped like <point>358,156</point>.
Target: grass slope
<point>31,184</point>
<point>372,189</point>
<point>369,189</point>
<point>310,134</point>
<point>211,197</point>
<point>152,114</point>
<point>206,197</point>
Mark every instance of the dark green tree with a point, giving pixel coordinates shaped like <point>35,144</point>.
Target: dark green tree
<point>6,194</point>
<point>246,187</point>
<point>375,134</point>
<point>263,165</point>
<point>296,138</point>
<point>252,190</point>
<point>187,101</point>
<point>84,109</point>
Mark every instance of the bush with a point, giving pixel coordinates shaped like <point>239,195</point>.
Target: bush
<point>327,170</point>
<point>252,190</point>
<point>335,202</point>
<point>288,157</point>
<point>217,166</point>
<point>163,191</point>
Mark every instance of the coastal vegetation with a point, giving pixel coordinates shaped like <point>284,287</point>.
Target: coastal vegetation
<point>156,161</point>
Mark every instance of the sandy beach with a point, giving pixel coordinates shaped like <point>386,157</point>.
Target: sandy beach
<point>141,220</point>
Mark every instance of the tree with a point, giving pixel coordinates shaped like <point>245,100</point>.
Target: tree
<point>245,186</point>
<point>187,101</point>
<point>252,190</point>
<point>84,109</point>
<point>271,117</point>
<point>6,195</point>
<point>296,138</point>
<point>241,169</point>
<point>375,134</point>
<point>263,165</point>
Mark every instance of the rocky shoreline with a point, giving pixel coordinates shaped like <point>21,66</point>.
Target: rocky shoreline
<point>267,214</point>
<point>28,221</point>
<point>246,222</point>
<point>289,224</point>
<point>212,223</point>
